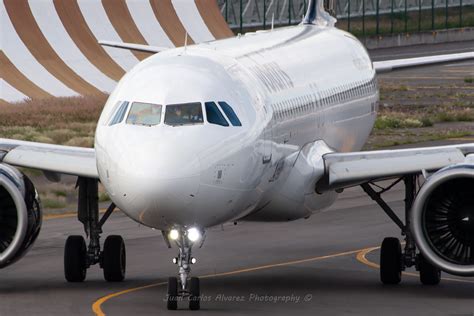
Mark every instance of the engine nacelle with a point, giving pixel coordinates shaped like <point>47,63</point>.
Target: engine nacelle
<point>20,215</point>
<point>442,220</point>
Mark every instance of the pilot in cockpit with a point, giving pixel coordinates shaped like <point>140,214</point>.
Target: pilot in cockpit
<point>184,114</point>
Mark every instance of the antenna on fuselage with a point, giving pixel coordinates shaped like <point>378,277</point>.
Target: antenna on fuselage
<point>273,20</point>
<point>186,42</point>
<point>317,14</point>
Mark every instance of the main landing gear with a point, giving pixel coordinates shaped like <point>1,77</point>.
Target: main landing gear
<point>394,259</point>
<point>184,286</point>
<point>78,256</point>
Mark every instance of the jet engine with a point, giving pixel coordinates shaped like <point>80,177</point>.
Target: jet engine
<point>20,215</point>
<point>442,220</point>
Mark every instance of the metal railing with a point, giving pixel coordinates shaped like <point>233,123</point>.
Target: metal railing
<point>361,17</point>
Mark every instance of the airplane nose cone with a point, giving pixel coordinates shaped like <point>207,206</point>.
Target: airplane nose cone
<point>159,186</point>
<point>166,161</point>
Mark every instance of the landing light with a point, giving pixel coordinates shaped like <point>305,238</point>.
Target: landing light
<point>194,234</point>
<point>174,234</point>
<point>193,260</point>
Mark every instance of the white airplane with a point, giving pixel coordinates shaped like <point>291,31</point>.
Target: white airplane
<point>262,127</point>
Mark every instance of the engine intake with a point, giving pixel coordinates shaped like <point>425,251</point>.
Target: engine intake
<point>443,220</point>
<point>20,215</point>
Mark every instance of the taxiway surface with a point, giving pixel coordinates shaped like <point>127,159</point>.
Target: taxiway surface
<point>323,266</point>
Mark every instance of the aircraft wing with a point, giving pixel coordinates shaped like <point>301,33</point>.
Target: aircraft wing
<point>348,169</point>
<point>135,47</point>
<point>55,159</point>
<point>389,65</point>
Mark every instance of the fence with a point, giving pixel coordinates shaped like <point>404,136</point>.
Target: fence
<point>361,17</point>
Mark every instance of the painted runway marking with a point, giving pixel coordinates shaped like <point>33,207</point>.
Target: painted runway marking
<point>97,305</point>
<point>362,257</point>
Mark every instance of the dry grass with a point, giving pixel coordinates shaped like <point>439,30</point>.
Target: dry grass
<point>59,112</point>
<point>422,116</point>
<point>65,121</point>
<point>418,111</point>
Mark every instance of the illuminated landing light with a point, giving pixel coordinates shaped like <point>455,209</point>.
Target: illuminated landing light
<point>193,260</point>
<point>194,234</point>
<point>174,234</point>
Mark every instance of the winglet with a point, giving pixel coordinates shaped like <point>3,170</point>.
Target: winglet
<point>317,14</point>
<point>135,47</point>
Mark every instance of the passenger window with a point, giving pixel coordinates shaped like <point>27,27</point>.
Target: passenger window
<point>214,116</point>
<point>184,114</point>
<point>230,114</point>
<point>144,114</point>
<point>119,114</point>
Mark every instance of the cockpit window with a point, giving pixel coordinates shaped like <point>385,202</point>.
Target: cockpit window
<point>184,114</point>
<point>214,115</point>
<point>119,113</point>
<point>144,114</point>
<point>233,118</point>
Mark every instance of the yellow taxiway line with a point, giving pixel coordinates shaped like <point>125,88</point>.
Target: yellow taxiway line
<point>56,216</point>
<point>361,255</point>
<point>97,305</point>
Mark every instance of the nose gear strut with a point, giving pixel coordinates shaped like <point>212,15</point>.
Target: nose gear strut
<point>183,286</point>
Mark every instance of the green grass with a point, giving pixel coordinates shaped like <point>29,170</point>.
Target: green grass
<point>53,204</point>
<point>465,115</point>
<point>469,80</point>
<point>392,122</point>
<point>60,193</point>
<point>103,197</point>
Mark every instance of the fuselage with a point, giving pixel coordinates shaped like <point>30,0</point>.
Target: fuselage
<point>288,88</point>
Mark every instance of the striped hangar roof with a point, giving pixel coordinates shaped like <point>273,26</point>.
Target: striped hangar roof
<point>50,47</point>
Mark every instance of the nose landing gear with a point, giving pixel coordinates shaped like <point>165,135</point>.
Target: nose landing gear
<point>184,286</point>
